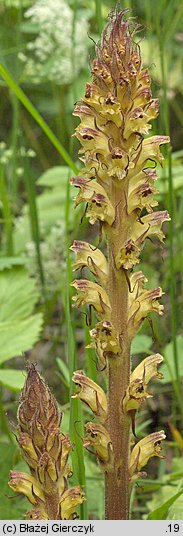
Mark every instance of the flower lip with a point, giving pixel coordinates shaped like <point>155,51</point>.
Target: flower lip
<point>91,394</point>
<point>145,449</point>
<point>91,257</point>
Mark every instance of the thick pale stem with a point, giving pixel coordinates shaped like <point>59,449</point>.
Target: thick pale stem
<point>117,481</point>
<point>52,504</point>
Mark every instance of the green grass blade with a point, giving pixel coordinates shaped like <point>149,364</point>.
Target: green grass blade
<point>162,511</point>
<point>34,222</point>
<point>98,10</point>
<point>171,208</point>
<point>38,118</point>
<point>76,416</point>
<point>6,212</point>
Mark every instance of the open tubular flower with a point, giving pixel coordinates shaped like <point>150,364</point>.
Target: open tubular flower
<point>106,342</point>
<point>46,451</point>
<point>141,302</point>
<point>118,184</point>
<point>91,394</point>
<point>89,293</point>
<point>144,450</point>
<point>99,205</point>
<point>137,391</point>
<point>98,438</point>
<point>92,258</point>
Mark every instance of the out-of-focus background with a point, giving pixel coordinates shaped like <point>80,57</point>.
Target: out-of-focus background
<point>46,47</point>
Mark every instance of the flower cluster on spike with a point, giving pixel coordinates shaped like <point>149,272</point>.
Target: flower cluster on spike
<point>117,183</point>
<point>46,451</point>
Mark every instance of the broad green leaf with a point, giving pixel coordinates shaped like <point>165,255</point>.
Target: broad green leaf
<point>18,294</point>
<point>19,336</point>
<point>168,355</point>
<point>19,328</point>
<point>8,262</point>
<point>12,379</point>
<point>141,344</point>
<point>56,176</point>
<point>162,511</point>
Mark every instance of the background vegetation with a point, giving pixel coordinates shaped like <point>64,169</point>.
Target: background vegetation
<point>44,50</point>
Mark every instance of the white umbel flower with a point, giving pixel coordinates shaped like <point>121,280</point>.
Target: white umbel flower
<point>59,50</point>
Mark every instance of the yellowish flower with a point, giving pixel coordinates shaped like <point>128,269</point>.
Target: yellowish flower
<point>148,225</point>
<point>141,302</point>
<point>98,438</point>
<point>141,191</point>
<point>28,485</point>
<point>91,394</point>
<point>140,377</point>
<point>70,500</point>
<point>91,257</point>
<point>145,449</point>
<point>89,293</point>
<point>106,341</point>
<point>100,207</point>
<point>147,369</point>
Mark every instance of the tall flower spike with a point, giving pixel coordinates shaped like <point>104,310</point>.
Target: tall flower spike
<point>117,183</point>
<point>46,451</point>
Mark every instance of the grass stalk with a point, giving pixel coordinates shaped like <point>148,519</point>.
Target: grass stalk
<point>76,426</point>
<point>7,216</point>
<point>38,118</point>
<point>98,11</point>
<point>171,208</point>
<point>14,145</point>
<point>34,222</point>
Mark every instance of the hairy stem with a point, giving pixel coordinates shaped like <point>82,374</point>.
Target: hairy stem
<point>52,504</point>
<point>117,481</point>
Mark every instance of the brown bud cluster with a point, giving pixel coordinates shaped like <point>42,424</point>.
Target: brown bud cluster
<point>46,451</point>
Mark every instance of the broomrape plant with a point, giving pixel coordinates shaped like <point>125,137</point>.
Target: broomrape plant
<point>117,183</point>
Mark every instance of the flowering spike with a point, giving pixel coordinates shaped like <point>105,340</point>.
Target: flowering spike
<point>118,184</point>
<point>45,450</point>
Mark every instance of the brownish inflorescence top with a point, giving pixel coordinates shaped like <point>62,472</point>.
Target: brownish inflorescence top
<point>46,451</point>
